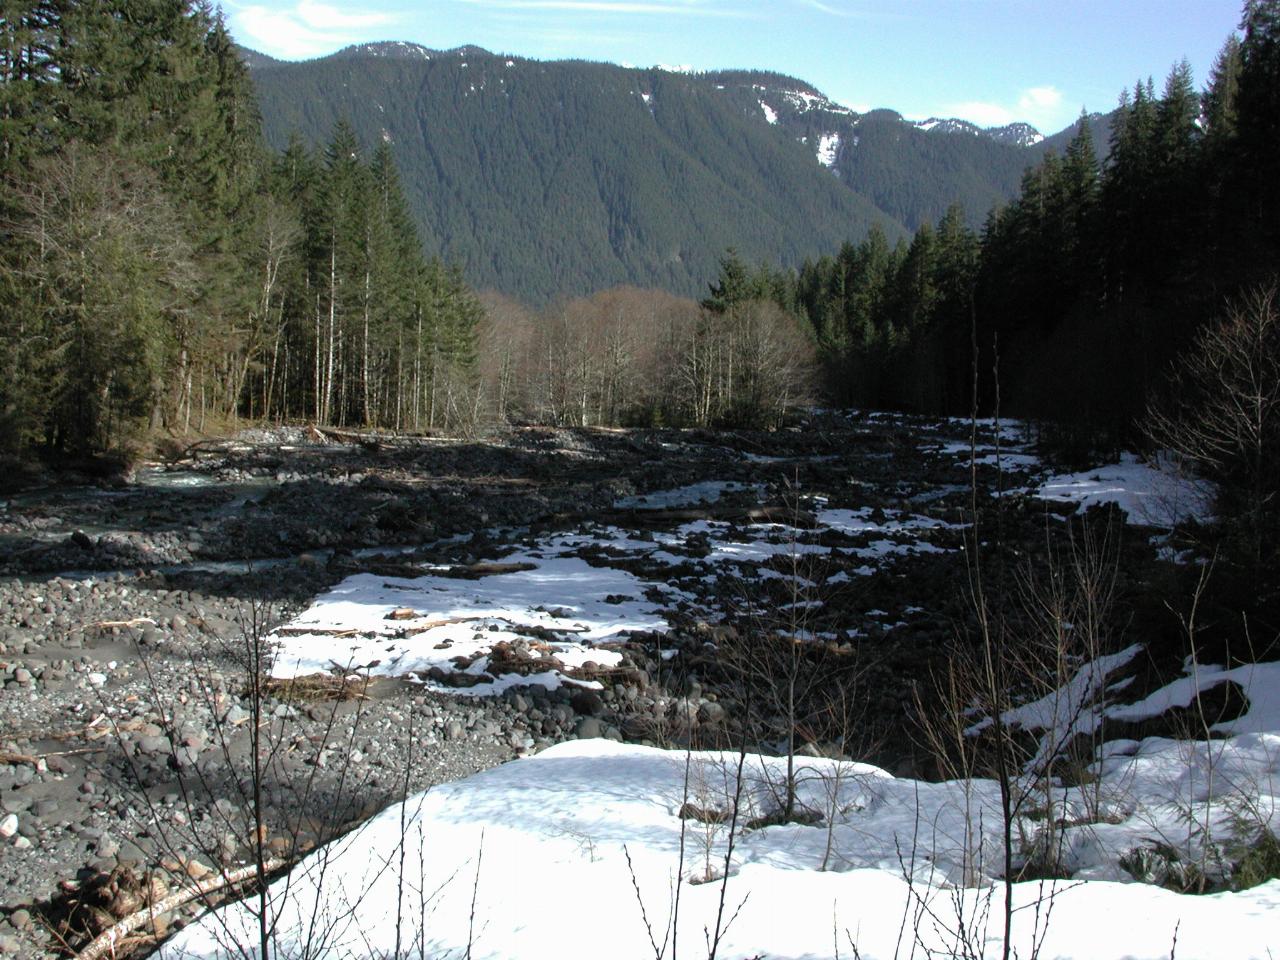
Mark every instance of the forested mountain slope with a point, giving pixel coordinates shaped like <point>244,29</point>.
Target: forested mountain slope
<point>558,178</point>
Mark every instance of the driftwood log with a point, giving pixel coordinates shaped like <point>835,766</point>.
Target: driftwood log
<point>105,943</point>
<point>786,516</point>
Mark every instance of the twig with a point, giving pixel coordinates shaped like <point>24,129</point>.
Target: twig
<point>475,893</point>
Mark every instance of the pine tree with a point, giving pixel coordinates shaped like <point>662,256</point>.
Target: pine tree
<point>25,73</point>
<point>1219,108</point>
<point>344,205</point>
<point>733,287</point>
<point>1176,131</point>
<point>393,262</point>
<point>914,293</point>
<point>1258,110</point>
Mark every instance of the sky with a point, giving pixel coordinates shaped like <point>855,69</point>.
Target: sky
<point>988,61</point>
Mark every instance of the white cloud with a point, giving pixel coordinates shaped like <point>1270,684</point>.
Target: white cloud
<point>307,29</point>
<point>321,16</point>
<point>701,8</point>
<point>976,111</point>
<point>1040,99</point>
<point>1042,107</point>
<point>827,8</point>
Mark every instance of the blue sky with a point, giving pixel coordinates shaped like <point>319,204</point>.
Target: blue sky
<point>989,61</point>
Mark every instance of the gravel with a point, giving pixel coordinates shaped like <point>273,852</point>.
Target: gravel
<point>129,611</point>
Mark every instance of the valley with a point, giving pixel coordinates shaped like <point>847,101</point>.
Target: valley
<point>424,608</point>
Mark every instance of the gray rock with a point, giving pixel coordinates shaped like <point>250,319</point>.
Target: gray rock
<point>236,715</point>
<point>589,728</point>
<point>15,803</point>
<point>154,744</point>
<point>588,703</point>
<point>709,712</point>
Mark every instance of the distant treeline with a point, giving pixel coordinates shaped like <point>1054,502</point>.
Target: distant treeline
<point>160,269</point>
<point>635,357</point>
<point>1075,298</point>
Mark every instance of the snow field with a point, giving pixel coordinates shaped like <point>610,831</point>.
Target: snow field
<point>543,843</point>
<point>553,848</point>
<point>395,626</point>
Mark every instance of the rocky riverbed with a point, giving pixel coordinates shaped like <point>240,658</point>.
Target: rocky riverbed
<point>136,620</point>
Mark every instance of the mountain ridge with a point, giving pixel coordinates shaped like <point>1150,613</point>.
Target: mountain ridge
<point>555,178</point>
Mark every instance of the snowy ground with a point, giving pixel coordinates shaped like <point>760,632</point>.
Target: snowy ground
<point>569,610</point>
<point>580,595</point>
<point>548,854</point>
<point>1155,493</point>
<point>577,852</point>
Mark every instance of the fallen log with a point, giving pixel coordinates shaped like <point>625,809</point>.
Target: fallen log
<point>474,571</point>
<point>301,631</point>
<point>787,516</point>
<point>323,632</point>
<point>409,571</point>
<point>122,624</point>
<point>33,759</point>
<point>418,628</point>
<point>105,943</point>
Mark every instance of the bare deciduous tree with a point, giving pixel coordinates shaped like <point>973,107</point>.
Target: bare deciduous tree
<point>1223,416</point>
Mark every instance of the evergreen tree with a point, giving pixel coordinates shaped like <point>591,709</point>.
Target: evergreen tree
<point>1257,183</point>
<point>733,287</point>
<point>1219,108</point>
<point>25,72</point>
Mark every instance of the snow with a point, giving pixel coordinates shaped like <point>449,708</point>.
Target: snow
<point>553,849</point>
<point>1154,493</point>
<point>351,627</point>
<point>803,101</point>
<point>828,149</point>
<point>1260,681</point>
<point>852,522</point>
<point>708,491</point>
<point>572,610</point>
<point>770,115</point>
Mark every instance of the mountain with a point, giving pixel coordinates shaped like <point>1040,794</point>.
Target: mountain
<point>911,171</point>
<point>1099,127</point>
<point>547,179</point>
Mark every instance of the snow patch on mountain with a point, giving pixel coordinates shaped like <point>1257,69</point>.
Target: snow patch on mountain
<point>828,149</point>
<point>1021,134</point>
<point>946,125</point>
<point>394,48</point>
<point>803,102</point>
<point>770,114</point>
<point>1018,134</point>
